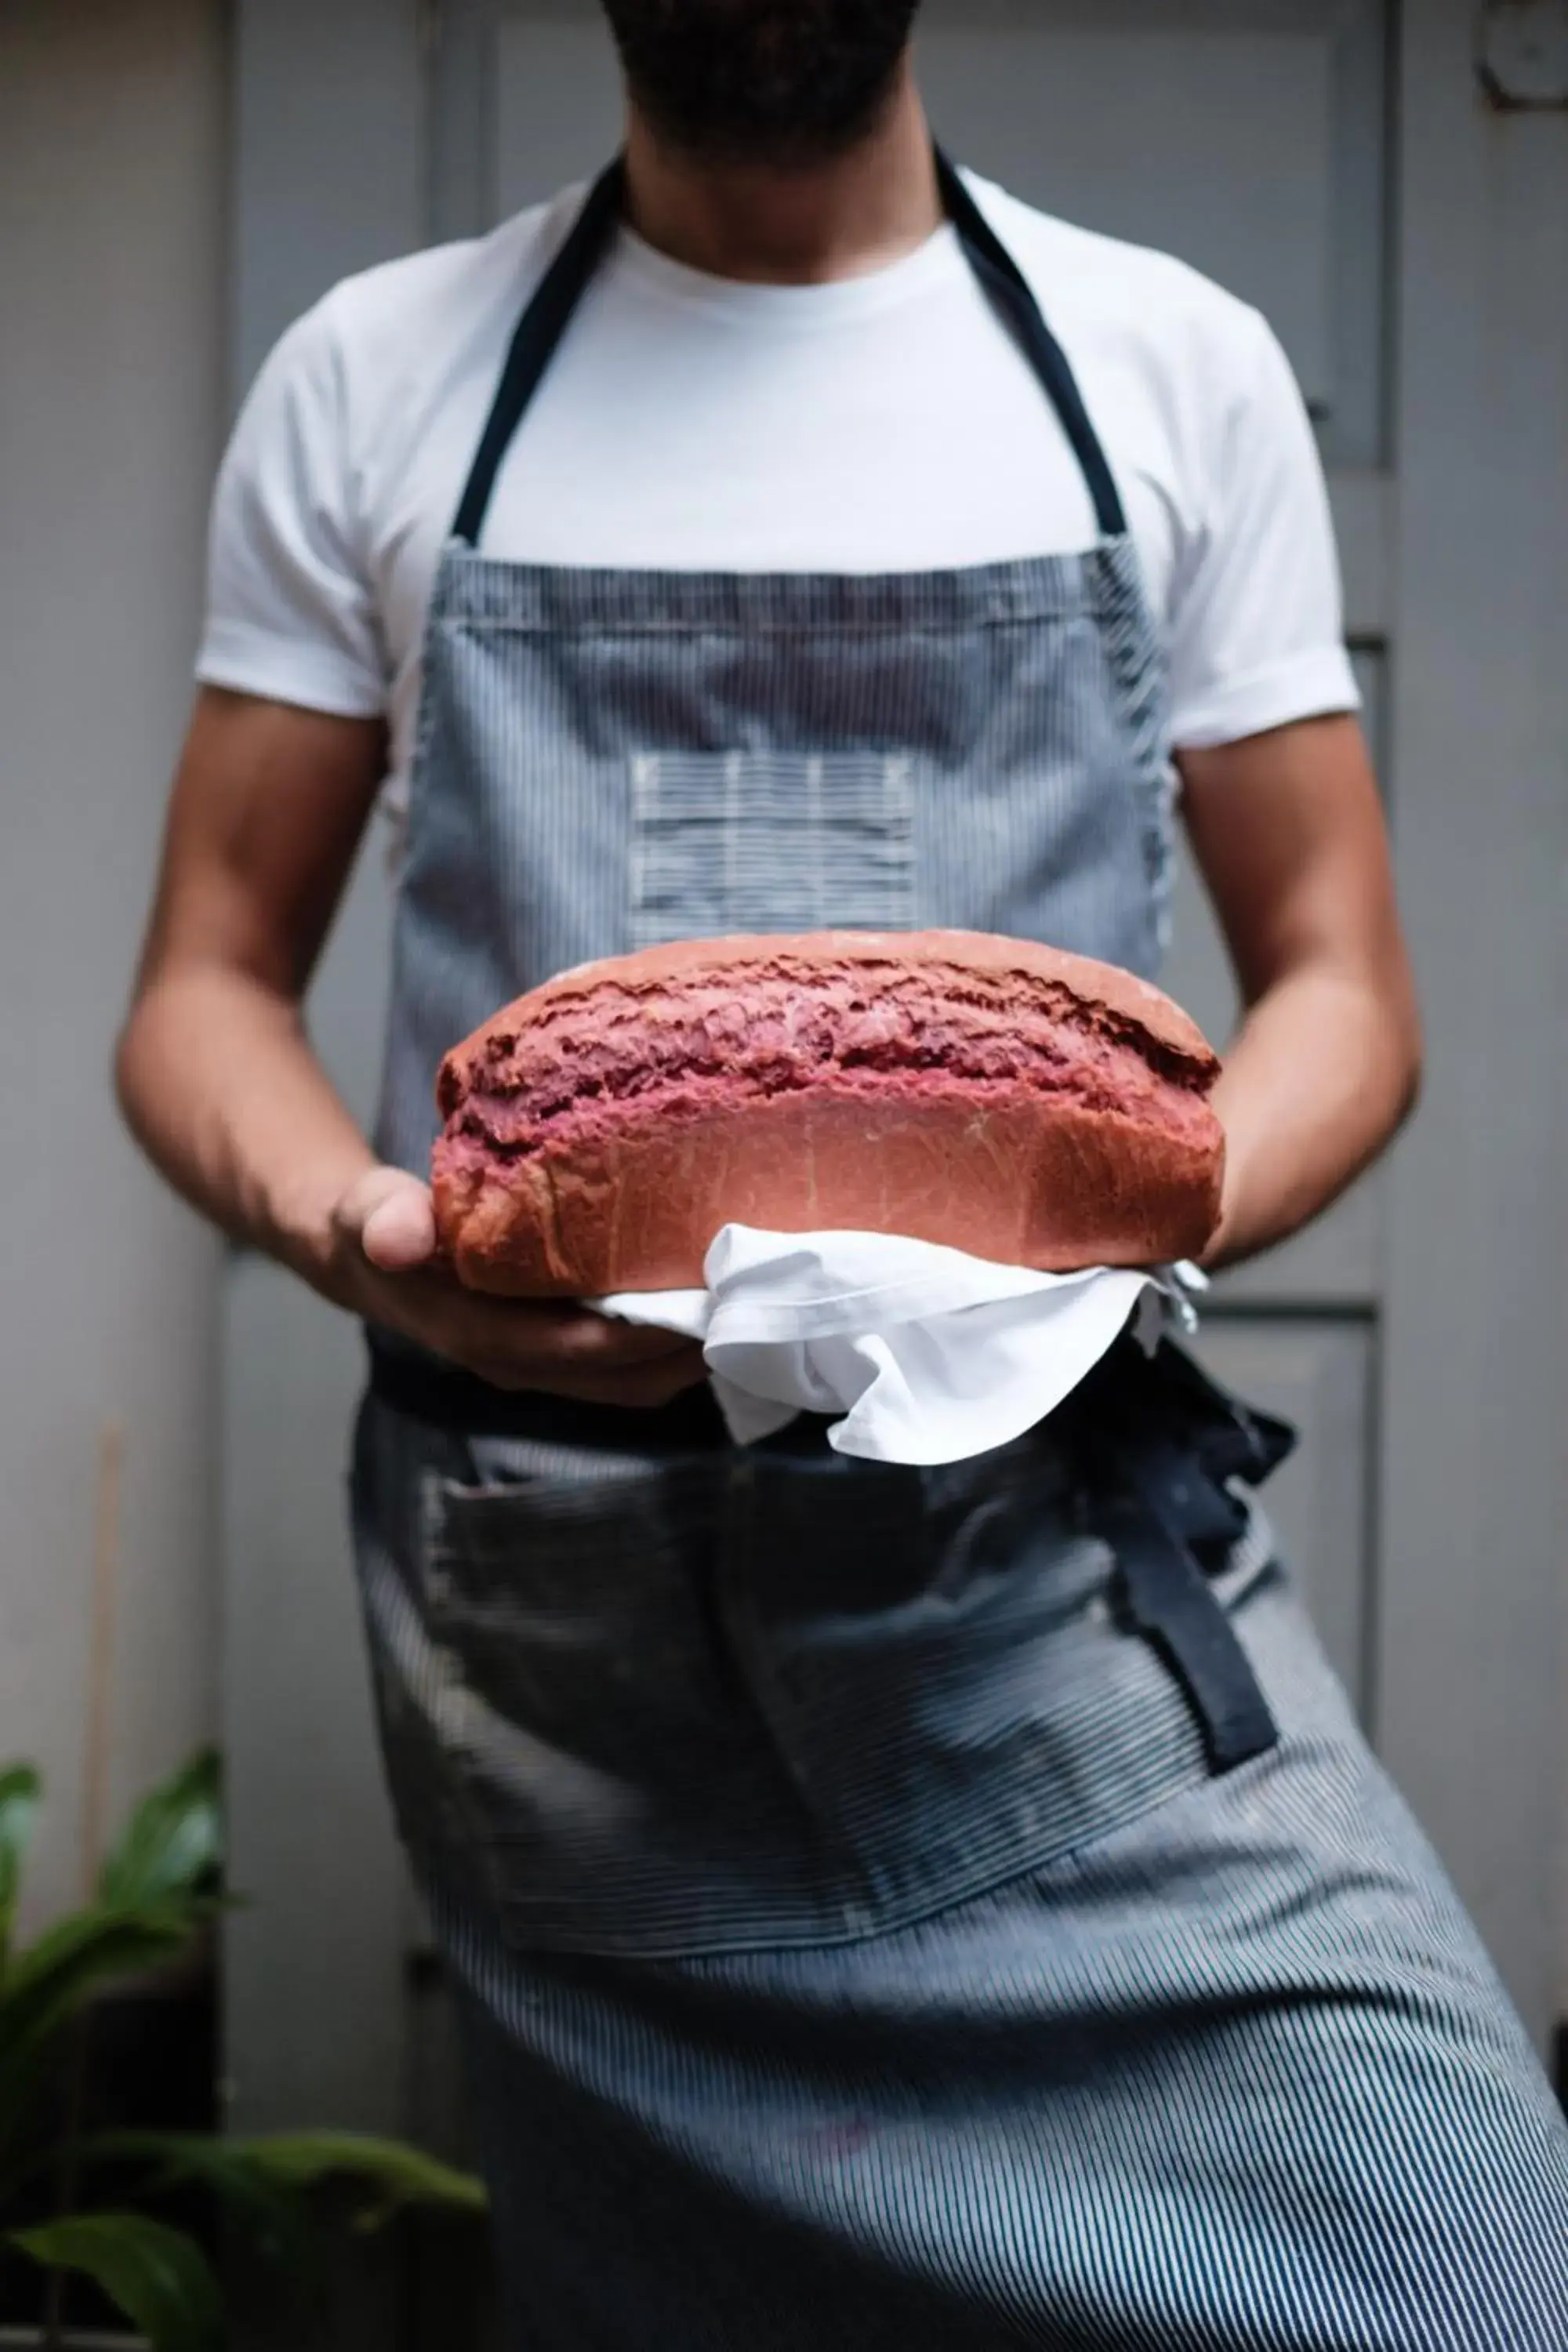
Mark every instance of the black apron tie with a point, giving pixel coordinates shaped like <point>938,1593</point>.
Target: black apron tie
<point>1163,1443</point>
<point>1173,1606</point>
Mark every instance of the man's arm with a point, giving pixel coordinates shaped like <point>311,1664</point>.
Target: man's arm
<point>218,1082</point>
<point>1288,832</point>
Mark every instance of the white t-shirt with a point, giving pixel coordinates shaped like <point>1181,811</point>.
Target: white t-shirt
<point>881,423</point>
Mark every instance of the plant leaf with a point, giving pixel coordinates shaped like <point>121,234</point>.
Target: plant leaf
<point>398,2175</point>
<point>48,1982</point>
<point>270,2212</point>
<point>157,2276</point>
<point>173,1844</point>
<point>20,1792</point>
<point>265,2181</point>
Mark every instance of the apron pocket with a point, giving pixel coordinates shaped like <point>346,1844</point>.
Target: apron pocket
<point>770,841</point>
<point>572,1603</point>
<point>616,1789</point>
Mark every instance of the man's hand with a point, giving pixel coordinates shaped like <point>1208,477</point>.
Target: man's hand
<point>383,1266</point>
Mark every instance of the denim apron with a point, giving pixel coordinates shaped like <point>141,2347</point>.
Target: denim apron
<point>888,1907</point>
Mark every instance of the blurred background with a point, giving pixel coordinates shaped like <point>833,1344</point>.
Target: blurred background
<point>178,178</point>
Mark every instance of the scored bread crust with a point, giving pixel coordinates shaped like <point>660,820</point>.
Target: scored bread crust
<point>1004,1171</point>
<point>984,954</point>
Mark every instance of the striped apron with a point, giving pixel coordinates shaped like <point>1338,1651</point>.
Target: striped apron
<point>945,1907</point>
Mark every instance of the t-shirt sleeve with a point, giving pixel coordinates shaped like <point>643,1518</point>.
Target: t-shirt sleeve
<point>1257,626</point>
<point>289,613</point>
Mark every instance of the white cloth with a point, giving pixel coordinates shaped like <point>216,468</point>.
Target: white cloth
<point>927,1354</point>
<point>881,423</point>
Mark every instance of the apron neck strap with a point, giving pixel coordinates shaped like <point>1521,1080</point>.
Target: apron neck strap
<point>539,330</point>
<point>549,314</point>
<point>1013,295</point>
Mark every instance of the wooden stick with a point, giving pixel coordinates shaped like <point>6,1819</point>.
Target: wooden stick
<point>100,1654</point>
<point>94,1808</point>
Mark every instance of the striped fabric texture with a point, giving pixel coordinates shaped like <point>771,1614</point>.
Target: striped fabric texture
<point>856,1946</point>
<point>1235,2078</point>
<point>853,1944</point>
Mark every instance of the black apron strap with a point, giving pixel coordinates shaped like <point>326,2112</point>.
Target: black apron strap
<point>1162,1444</point>
<point>1014,297</point>
<point>549,314</point>
<point>1173,1604</point>
<point>539,330</point>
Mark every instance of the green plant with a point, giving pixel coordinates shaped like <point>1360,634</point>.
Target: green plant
<point>157,1891</point>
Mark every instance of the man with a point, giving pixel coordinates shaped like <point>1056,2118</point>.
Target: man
<point>887,1908</point>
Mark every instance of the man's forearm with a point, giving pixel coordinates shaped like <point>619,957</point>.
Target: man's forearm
<point>1323,1072</point>
<point>218,1082</point>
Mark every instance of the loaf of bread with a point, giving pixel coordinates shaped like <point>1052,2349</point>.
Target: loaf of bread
<point>1028,1106</point>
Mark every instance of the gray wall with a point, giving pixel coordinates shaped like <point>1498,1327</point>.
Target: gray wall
<point>112,174</point>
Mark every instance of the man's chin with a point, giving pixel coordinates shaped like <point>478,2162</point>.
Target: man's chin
<point>777,85</point>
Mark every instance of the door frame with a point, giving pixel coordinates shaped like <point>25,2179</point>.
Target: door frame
<point>1470,1693</point>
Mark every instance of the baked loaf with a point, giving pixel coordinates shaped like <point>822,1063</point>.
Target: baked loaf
<point>1026,1105</point>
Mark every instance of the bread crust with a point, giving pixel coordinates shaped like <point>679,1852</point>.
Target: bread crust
<point>627,1193</point>
<point>981,953</point>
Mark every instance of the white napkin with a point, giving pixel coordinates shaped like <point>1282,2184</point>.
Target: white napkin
<point>927,1355</point>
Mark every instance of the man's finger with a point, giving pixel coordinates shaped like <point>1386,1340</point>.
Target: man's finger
<point>639,1386</point>
<point>532,1340</point>
<point>593,1341</point>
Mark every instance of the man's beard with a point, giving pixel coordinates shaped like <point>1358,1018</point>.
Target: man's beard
<point>780,83</point>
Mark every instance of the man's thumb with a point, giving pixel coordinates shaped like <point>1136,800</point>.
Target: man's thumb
<point>392,1214</point>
